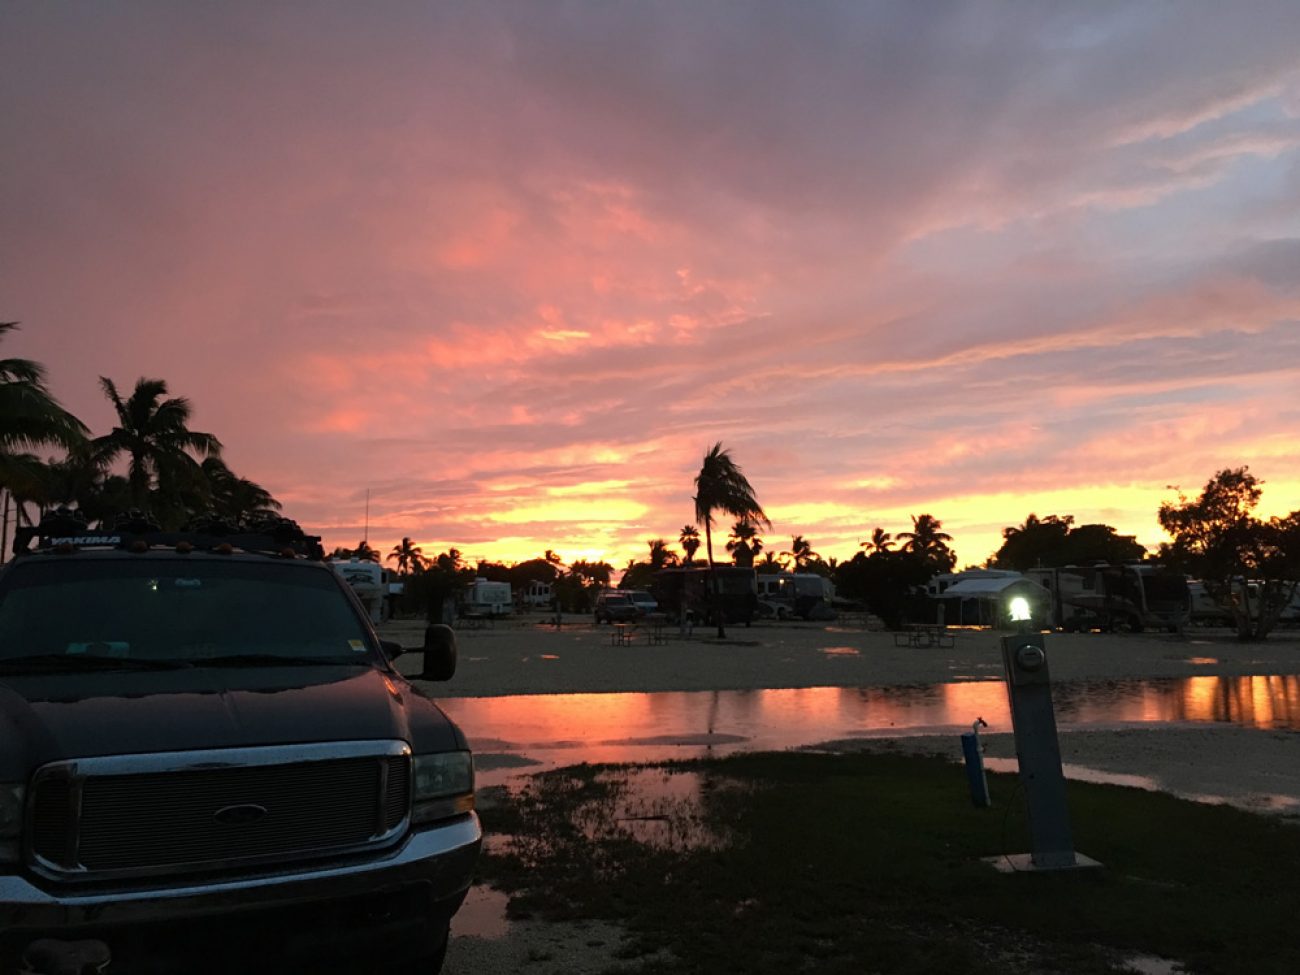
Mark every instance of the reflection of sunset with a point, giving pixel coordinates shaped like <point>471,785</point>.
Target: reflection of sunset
<point>621,727</point>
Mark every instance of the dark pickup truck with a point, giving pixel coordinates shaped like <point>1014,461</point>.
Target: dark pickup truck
<point>209,763</point>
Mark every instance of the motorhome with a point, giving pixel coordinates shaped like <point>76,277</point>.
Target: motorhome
<point>1132,595</point>
<point>695,591</point>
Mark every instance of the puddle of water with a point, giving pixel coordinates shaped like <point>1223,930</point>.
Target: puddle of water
<point>550,656</point>
<point>1153,965</point>
<point>662,808</point>
<point>1200,661</point>
<point>841,652</point>
<point>483,915</point>
<point>647,727</point>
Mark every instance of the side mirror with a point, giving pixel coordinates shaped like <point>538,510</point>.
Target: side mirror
<point>439,652</point>
<point>391,650</point>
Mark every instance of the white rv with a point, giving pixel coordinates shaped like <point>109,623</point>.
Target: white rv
<point>367,581</point>
<point>1132,595</point>
<point>484,598</point>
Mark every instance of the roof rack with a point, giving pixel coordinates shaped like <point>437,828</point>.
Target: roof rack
<point>64,529</point>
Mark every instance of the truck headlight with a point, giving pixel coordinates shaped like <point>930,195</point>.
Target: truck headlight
<point>444,786</point>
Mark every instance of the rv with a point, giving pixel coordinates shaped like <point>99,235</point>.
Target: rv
<point>368,582</point>
<point>695,591</point>
<point>802,594</point>
<point>1133,596</point>
<point>484,598</point>
<point>1248,595</point>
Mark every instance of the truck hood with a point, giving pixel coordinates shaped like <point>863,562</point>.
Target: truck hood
<point>49,717</point>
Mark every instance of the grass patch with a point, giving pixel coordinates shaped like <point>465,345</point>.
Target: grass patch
<point>871,863</point>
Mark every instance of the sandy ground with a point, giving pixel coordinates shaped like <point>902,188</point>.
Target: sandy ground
<point>1256,768</point>
<point>527,657</point>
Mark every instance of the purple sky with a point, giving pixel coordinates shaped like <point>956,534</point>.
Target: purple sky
<point>514,267</point>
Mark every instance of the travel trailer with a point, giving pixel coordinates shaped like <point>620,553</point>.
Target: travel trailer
<point>1133,596</point>
<point>367,580</point>
<point>484,598</point>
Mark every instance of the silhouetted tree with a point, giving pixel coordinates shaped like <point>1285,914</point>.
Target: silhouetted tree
<point>234,497</point>
<point>801,553</point>
<point>366,552</point>
<point>154,435</point>
<point>722,486</point>
<point>689,539</point>
<point>744,545</point>
<point>1217,539</point>
<point>927,540</point>
<point>881,541</point>
<point>408,556</point>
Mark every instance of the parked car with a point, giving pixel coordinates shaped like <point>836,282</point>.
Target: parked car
<point>209,762</point>
<point>615,607</point>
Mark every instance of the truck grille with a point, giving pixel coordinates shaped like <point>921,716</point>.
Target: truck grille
<point>95,818</point>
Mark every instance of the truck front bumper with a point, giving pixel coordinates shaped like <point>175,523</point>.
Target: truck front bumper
<point>416,886</point>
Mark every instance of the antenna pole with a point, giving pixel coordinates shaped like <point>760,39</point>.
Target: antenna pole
<point>366,530</point>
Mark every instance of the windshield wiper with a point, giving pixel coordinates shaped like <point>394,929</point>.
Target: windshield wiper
<point>275,660</point>
<point>63,662</point>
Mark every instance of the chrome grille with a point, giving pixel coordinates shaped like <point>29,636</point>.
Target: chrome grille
<point>156,814</point>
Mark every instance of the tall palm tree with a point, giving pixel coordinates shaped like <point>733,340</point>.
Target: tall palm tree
<point>366,552</point>
<point>689,539</point>
<point>722,486</point>
<point>927,540</point>
<point>30,418</point>
<point>154,435</point>
<point>881,541</point>
<point>409,557</point>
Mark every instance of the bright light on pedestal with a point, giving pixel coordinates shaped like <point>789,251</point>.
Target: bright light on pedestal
<point>1019,608</point>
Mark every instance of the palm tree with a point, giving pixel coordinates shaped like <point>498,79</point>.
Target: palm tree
<point>366,553</point>
<point>928,541</point>
<point>660,554</point>
<point>744,544</point>
<point>689,539</point>
<point>881,541</point>
<point>722,486</point>
<point>409,557</point>
<point>158,443</point>
<point>801,552</point>
<point>234,497</point>
<point>30,418</point>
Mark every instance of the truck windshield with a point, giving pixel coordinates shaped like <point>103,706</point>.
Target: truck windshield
<point>196,611</point>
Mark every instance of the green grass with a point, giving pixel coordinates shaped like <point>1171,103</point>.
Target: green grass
<point>871,863</point>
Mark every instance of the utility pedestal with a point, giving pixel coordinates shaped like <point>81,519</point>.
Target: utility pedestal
<point>1038,751</point>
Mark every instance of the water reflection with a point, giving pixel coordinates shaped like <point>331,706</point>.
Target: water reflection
<point>645,727</point>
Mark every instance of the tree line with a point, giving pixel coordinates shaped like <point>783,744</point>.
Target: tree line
<point>49,458</point>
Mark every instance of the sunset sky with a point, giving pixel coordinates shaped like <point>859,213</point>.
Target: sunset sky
<point>514,267</point>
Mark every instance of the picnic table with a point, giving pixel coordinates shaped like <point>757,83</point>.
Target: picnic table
<point>621,634</point>
<point>924,635</point>
<point>657,622</point>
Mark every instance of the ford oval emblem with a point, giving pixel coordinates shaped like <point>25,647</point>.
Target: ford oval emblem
<point>240,815</point>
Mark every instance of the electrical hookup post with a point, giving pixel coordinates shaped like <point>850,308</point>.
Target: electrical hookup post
<point>1038,751</point>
